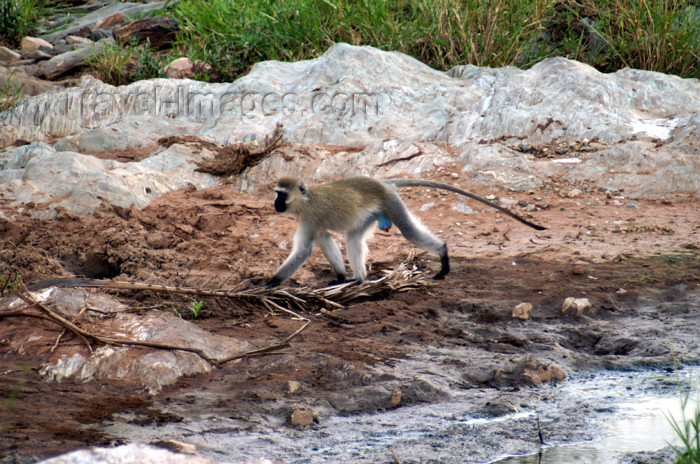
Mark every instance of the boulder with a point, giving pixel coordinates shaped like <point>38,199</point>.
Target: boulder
<point>151,371</point>
<point>82,183</point>
<point>66,62</point>
<point>159,31</point>
<point>111,21</point>
<point>28,85</point>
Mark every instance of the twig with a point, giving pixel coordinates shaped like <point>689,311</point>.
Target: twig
<point>58,340</point>
<point>396,458</point>
<point>539,431</point>
<point>27,297</point>
<point>271,299</point>
<point>270,349</point>
<point>22,313</point>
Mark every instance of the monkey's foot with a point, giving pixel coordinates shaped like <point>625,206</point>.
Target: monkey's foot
<point>274,282</point>
<point>344,281</point>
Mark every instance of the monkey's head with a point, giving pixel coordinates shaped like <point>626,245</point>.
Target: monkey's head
<point>291,194</point>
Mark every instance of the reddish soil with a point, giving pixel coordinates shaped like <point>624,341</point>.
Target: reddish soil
<point>215,238</point>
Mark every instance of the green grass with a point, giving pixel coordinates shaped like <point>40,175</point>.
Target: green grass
<point>18,18</point>
<point>654,35</point>
<point>232,35</point>
<point>11,92</point>
<point>687,429</point>
<point>194,310</point>
<point>116,64</point>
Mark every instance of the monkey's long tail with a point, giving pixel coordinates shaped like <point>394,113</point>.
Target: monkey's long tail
<point>440,185</point>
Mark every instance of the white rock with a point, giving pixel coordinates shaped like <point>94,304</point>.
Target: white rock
<point>30,44</point>
<point>125,454</point>
<point>153,370</point>
<point>576,306</point>
<point>395,115</point>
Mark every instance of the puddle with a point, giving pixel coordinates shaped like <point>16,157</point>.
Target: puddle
<point>643,426</point>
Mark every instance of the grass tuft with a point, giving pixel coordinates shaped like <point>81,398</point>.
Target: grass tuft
<point>687,429</point>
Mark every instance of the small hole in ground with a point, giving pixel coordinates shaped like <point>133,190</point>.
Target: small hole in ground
<point>95,266</point>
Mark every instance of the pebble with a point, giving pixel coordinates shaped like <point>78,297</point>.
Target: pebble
<point>302,417</point>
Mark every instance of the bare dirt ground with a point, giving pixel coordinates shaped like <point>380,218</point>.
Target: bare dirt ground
<point>597,246</point>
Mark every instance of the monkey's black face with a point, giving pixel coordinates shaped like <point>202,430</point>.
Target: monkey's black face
<point>281,202</point>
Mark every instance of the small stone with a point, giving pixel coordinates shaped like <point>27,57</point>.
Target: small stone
<point>181,68</point>
<point>8,56</point>
<point>631,206</point>
<point>81,41</point>
<point>522,311</point>
<point>39,55</point>
<point>427,206</point>
<point>621,291</point>
<point>574,193</point>
<point>29,44</point>
<point>302,417</point>
<point>110,21</point>
<point>293,386</point>
<point>395,398</point>
<point>576,307</point>
<point>577,269</point>
<point>99,34</point>
<point>176,446</point>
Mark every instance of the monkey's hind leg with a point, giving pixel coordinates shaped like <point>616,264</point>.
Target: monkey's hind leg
<point>355,242</point>
<point>332,253</point>
<point>415,232</point>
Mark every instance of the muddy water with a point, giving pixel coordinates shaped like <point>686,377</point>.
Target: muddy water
<point>592,418</point>
<point>638,426</point>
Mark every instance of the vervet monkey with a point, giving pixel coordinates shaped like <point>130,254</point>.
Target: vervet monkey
<point>352,206</point>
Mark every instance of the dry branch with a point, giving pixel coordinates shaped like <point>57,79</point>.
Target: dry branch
<point>26,296</point>
<point>273,299</point>
<point>280,298</point>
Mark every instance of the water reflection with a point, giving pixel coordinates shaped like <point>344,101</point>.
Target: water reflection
<point>639,426</point>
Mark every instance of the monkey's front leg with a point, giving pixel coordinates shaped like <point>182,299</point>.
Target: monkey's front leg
<point>303,245</point>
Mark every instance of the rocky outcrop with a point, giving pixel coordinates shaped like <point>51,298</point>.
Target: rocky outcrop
<point>151,371</point>
<point>359,110</point>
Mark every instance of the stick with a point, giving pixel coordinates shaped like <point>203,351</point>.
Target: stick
<point>27,297</point>
<point>396,458</point>
<point>539,431</point>
<point>270,349</point>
